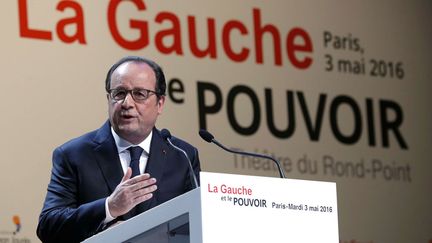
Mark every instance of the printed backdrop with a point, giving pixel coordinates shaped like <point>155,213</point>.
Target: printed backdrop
<point>335,90</point>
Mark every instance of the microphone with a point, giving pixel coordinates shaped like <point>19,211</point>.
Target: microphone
<point>166,135</point>
<point>208,137</point>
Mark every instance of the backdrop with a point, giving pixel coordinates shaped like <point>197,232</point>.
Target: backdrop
<point>336,90</point>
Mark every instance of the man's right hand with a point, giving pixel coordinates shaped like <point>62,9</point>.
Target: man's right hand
<point>130,192</point>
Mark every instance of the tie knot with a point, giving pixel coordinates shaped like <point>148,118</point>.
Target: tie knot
<point>135,152</point>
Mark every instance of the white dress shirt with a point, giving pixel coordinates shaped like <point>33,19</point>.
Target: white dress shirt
<point>124,155</point>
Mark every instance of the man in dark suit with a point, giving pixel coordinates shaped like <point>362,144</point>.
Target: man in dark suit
<point>97,179</point>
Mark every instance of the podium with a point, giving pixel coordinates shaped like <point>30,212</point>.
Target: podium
<point>237,208</point>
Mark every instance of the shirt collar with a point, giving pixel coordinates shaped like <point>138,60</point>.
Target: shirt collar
<point>123,144</point>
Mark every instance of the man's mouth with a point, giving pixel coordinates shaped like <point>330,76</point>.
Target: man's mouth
<point>127,116</point>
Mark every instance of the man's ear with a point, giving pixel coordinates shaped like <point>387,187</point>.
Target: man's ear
<point>161,100</point>
<point>161,103</point>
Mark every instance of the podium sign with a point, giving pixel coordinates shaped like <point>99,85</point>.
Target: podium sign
<point>236,208</point>
<point>260,209</point>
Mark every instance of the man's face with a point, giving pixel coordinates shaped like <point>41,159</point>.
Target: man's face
<point>133,120</point>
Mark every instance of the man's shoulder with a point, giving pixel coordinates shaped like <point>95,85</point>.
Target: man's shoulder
<point>182,143</point>
<point>87,139</point>
<point>178,142</point>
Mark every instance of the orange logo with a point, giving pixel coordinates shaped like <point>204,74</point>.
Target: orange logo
<point>17,222</point>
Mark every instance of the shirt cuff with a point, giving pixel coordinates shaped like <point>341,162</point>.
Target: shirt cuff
<point>108,217</point>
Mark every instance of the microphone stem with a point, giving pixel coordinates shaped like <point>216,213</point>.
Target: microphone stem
<point>191,171</point>
<point>281,173</point>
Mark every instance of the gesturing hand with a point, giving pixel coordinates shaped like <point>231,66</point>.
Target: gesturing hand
<point>130,192</point>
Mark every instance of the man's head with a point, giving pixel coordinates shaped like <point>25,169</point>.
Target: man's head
<point>136,97</point>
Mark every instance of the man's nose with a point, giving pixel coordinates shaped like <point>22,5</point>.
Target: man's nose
<point>128,101</point>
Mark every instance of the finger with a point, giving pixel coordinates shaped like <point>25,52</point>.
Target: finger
<point>142,198</point>
<point>127,175</point>
<point>144,191</point>
<point>138,178</point>
<point>142,184</point>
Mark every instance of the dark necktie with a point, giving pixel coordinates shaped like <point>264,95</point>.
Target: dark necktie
<point>135,154</point>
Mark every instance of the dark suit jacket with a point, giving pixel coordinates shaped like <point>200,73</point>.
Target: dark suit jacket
<point>86,171</point>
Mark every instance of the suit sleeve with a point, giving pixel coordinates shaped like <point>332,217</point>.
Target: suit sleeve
<point>63,218</point>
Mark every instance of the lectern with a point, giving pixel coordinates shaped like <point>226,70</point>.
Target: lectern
<point>237,208</point>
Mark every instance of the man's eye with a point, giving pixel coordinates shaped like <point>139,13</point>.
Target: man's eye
<point>119,94</point>
<point>140,94</point>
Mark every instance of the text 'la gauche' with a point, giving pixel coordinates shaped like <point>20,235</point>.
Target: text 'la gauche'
<point>235,190</point>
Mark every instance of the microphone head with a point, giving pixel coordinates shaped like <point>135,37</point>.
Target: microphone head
<point>165,134</point>
<point>206,135</point>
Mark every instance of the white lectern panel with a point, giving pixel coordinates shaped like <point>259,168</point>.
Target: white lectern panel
<point>260,209</point>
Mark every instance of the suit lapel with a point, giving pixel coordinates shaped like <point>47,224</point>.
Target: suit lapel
<point>107,157</point>
<point>157,157</point>
<point>155,166</point>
